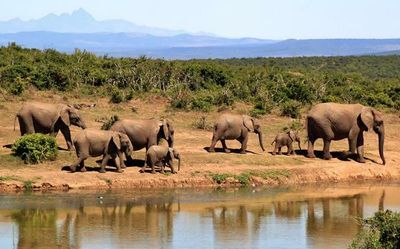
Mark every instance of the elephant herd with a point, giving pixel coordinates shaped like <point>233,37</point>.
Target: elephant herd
<point>328,121</point>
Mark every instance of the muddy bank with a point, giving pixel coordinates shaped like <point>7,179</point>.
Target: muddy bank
<point>273,176</point>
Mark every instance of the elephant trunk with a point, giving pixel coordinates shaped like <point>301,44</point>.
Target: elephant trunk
<point>179,163</point>
<point>381,136</point>
<point>260,139</point>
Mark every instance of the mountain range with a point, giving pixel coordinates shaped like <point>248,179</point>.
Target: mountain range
<point>66,32</point>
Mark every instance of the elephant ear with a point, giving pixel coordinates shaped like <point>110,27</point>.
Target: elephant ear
<point>64,115</point>
<point>367,117</point>
<point>165,128</point>
<point>248,123</point>
<point>116,140</point>
<point>292,135</point>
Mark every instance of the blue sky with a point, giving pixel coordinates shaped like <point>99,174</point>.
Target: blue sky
<point>270,19</point>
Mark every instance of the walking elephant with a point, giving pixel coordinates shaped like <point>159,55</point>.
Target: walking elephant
<point>286,139</point>
<point>158,154</point>
<point>45,118</point>
<point>331,121</point>
<point>93,143</point>
<point>233,126</point>
<point>145,133</point>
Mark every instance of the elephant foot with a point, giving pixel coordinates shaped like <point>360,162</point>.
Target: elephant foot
<point>242,152</point>
<point>83,169</point>
<point>153,171</point>
<point>327,156</point>
<point>141,170</point>
<point>123,166</point>
<point>120,170</point>
<point>174,172</point>
<point>227,150</point>
<point>102,171</point>
<point>72,168</point>
<point>361,160</point>
<point>211,150</point>
<point>273,153</point>
<point>70,149</point>
<point>311,155</point>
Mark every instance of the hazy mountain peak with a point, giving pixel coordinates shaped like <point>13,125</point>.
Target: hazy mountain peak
<point>81,14</point>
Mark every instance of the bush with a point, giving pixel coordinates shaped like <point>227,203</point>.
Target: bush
<point>202,124</point>
<point>117,96</point>
<point>18,86</point>
<point>291,109</point>
<point>380,231</point>
<point>36,148</point>
<point>261,107</point>
<point>296,125</point>
<point>108,123</point>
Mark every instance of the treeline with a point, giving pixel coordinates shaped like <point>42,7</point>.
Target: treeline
<point>267,83</point>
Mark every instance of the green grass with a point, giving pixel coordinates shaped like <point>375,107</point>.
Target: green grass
<point>274,174</point>
<point>10,178</point>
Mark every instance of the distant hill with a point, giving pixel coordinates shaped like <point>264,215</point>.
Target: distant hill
<point>187,46</point>
<point>79,29</point>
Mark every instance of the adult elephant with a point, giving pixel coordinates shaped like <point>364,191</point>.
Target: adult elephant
<point>332,121</point>
<point>46,118</point>
<point>145,133</point>
<point>233,126</point>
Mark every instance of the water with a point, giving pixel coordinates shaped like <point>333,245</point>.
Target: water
<point>306,217</point>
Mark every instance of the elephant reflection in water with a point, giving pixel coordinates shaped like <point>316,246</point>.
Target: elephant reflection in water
<point>37,228</point>
<point>238,221</point>
<point>340,222</point>
<point>287,209</point>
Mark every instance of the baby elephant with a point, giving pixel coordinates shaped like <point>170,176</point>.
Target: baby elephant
<point>163,155</point>
<point>286,139</point>
<point>109,144</point>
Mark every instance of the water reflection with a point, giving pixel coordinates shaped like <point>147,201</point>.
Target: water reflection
<point>301,218</point>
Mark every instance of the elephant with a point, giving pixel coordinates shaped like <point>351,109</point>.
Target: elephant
<point>46,118</point>
<point>158,154</point>
<point>233,126</point>
<point>145,133</point>
<point>94,143</point>
<point>332,121</point>
<point>286,139</point>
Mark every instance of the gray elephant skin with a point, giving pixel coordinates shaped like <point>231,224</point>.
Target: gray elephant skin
<point>94,143</point>
<point>332,121</point>
<point>46,118</point>
<point>286,139</point>
<point>235,127</point>
<point>145,133</point>
<point>163,156</point>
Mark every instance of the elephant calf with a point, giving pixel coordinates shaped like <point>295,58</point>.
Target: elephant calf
<point>158,154</point>
<point>109,144</point>
<point>286,139</point>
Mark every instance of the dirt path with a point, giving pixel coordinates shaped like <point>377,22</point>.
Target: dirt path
<point>199,168</point>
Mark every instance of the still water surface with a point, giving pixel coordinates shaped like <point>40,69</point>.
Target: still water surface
<point>305,217</point>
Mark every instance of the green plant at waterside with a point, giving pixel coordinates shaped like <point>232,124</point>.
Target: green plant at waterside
<point>380,231</point>
<point>36,148</point>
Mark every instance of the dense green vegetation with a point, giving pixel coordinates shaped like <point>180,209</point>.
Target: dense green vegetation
<point>267,83</point>
<point>380,231</point>
<point>36,148</point>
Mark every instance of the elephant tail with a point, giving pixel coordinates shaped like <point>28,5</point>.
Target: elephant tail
<point>15,118</point>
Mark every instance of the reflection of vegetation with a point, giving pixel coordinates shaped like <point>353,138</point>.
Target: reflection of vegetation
<point>380,231</point>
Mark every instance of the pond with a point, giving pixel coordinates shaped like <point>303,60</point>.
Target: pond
<point>295,217</point>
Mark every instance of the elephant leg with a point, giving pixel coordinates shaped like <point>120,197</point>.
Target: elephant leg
<point>280,150</point>
<point>352,145</point>
<point>120,163</point>
<point>104,163</point>
<point>214,141</point>
<point>360,148</point>
<point>244,144</point>
<point>67,135</point>
<point>82,166</point>
<point>275,149</point>
<point>291,150</point>
<point>224,146</point>
<point>327,154</point>
<point>27,123</point>
<point>79,161</point>
<point>310,149</point>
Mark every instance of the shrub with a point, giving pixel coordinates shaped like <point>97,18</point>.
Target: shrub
<point>108,123</point>
<point>202,124</point>
<point>261,107</point>
<point>117,96</point>
<point>295,125</point>
<point>380,231</point>
<point>36,148</point>
<point>291,109</point>
<point>18,86</point>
